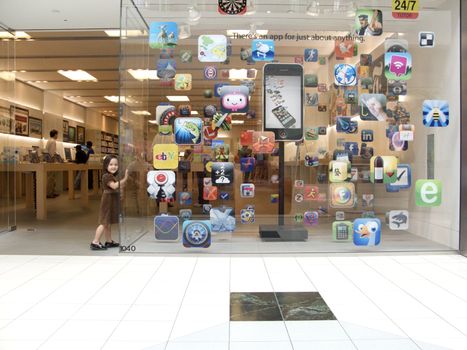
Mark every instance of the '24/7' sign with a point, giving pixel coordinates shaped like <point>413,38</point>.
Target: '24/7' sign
<point>405,9</point>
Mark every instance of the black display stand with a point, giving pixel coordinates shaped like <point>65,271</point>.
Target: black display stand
<point>282,232</point>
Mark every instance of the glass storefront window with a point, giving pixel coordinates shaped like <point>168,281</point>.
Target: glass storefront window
<point>344,130</point>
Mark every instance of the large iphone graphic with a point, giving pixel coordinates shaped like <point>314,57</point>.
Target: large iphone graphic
<point>283,101</point>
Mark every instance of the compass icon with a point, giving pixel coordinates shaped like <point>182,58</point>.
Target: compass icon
<point>232,7</point>
<point>196,234</point>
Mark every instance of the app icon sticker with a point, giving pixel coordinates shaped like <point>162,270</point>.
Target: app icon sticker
<point>234,99</point>
<point>311,159</point>
<point>366,60</point>
<point>342,195</point>
<point>298,218</point>
<point>247,164</point>
<point>406,132</point>
<point>183,82</point>
<point>222,121</point>
<point>311,134</point>
<point>397,113</point>
<point>340,215</point>
<point>184,198</point>
<point>310,218</point>
<point>346,124</point>
<point>345,74</point>
<point>247,216</point>
<point>207,208</point>
<point>262,50</point>
<point>222,219</point>
<point>184,110</point>
<point>405,9</point>
<point>435,113</point>
<point>339,170</point>
<point>210,73</point>
<point>299,184</point>
<point>274,198</point>
<point>247,190</point>
<point>399,220</point>
<point>366,152</point>
<point>342,155</point>
<point>188,131</point>
<point>383,169</point>
<point>161,185</point>
<point>167,53</point>
<point>367,200</point>
<point>428,193</point>
<point>403,180</point>
<point>165,114</point>
<point>354,174</point>
<point>342,231</point>
<point>368,22</point>
<point>166,69</point>
<point>311,55</point>
<point>396,88</point>
<point>185,214</point>
<point>263,142</point>
<point>166,228</point>
<point>163,35</point>
<point>222,173</point>
<point>299,197</point>
<point>311,193</point>
<point>351,96</point>
<point>232,7</point>
<point>344,49</point>
<point>367,231</point>
<point>367,135</point>
<point>395,141</point>
<point>207,181</point>
<point>210,193</point>
<point>373,107</point>
<point>217,89</point>
<point>186,56</point>
<point>225,196</point>
<point>426,39</point>
<point>196,234</point>
<point>352,147</point>
<point>310,80</point>
<point>398,65</point>
<point>246,138</point>
<point>165,156</point>
<point>298,59</point>
<point>212,48</point>
<point>396,45</point>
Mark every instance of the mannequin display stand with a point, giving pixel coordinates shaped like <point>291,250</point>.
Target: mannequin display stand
<point>282,232</point>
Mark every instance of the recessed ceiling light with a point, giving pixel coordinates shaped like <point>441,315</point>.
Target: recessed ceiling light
<point>178,98</point>
<point>114,99</point>
<point>7,75</point>
<point>14,35</point>
<point>239,74</point>
<point>77,75</point>
<point>143,74</point>
<point>123,99</point>
<point>152,121</point>
<point>238,122</point>
<point>23,71</point>
<point>141,112</point>
<point>194,112</point>
<point>129,32</point>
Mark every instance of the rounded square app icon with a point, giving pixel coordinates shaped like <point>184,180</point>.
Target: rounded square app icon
<point>310,218</point>
<point>342,195</point>
<point>166,69</point>
<point>340,215</point>
<point>398,65</point>
<point>262,50</point>
<point>210,193</point>
<point>342,231</point>
<point>161,185</point>
<point>339,170</point>
<point>435,113</point>
<point>165,156</point>
<point>166,227</point>
<point>186,56</point>
<point>367,231</point>
<point>426,39</point>
<point>188,131</point>
<point>217,89</point>
<point>311,55</point>
<point>344,49</point>
<point>222,173</point>
<point>210,73</point>
<point>247,190</point>
<point>383,169</point>
<point>247,216</point>
<point>310,80</point>
<point>404,178</point>
<point>234,98</point>
<point>222,219</point>
<point>184,198</point>
<point>196,234</point>
<point>428,193</point>
<point>212,48</point>
<point>345,74</point>
<point>405,9</point>
<point>368,22</point>
<point>165,114</point>
<point>163,35</point>
<point>373,107</point>
<point>311,159</point>
<point>232,7</point>
<point>398,220</point>
<point>311,193</point>
<point>185,214</point>
<point>311,134</point>
<point>263,141</point>
<point>183,82</point>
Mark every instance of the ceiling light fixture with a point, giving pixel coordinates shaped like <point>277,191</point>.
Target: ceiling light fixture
<point>125,32</point>
<point>141,112</point>
<point>7,75</point>
<point>238,121</point>
<point>14,35</point>
<point>194,113</point>
<point>77,75</point>
<point>143,74</point>
<point>178,98</point>
<point>239,74</point>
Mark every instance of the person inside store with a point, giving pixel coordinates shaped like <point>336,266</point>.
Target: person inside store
<point>90,151</point>
<point>110,204</point>
<point>51,151</point>
<point>81,157</point>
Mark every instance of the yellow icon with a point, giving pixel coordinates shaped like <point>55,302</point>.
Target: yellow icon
<point>339,170</point>
<point>165,156</point>
<point>183,82</point>
<point>208,167</point>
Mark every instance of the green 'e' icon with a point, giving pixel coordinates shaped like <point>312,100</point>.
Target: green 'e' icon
<point>428,193</point>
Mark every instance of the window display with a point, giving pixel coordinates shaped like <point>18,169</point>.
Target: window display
<point>324,128</point>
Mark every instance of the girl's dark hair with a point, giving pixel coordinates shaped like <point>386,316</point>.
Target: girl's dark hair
<point>107,160</point>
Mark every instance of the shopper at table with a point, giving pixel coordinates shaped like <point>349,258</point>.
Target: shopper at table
<point>90,151</point>
<point>110,204</point>
<point>80,158</point>
<point>51,150</point>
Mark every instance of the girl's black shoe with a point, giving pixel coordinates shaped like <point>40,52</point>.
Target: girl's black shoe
<point>99,246</point>
<point>112,244</point>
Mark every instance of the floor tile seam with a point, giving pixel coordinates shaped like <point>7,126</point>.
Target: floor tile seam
<point>277,301</point>
<point>83,304</point>
<point>181,303</point>
<point>134,301</point>
<point>447,270</point>
<point>311,281</point>
<point>416,300</point>
<point>32,258</point>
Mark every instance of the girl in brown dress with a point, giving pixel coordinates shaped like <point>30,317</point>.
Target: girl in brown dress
<point>109,210</point>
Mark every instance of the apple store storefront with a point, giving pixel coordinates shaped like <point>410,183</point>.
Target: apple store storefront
<point>340,135</point>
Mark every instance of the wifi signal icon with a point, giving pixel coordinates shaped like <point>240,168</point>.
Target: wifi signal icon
<point>398,65</point>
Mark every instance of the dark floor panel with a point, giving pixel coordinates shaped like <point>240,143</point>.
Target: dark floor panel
<point>304,306</point>
<point>254,307</point>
